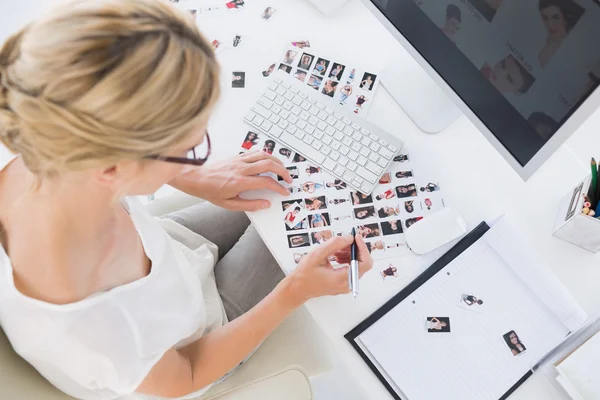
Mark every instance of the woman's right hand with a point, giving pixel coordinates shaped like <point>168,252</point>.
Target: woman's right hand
<point>315,277</point>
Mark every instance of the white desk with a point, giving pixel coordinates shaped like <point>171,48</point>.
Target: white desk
<point>475,180</point>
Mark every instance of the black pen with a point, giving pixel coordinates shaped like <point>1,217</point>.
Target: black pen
<point>353,270</point>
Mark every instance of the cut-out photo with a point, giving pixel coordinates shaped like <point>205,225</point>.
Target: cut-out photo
<point>385,178</point>
<point>411,221</point>
<point>391,227</point>
<point>269,70</point>
<point>314,82</point>
<point>300,75</point>
<point>294,214</point>
<point>238,79</point>
<point>387,211</point>
<point>235,4</point>
<point>311,187</point>
<point>321,66</point>
<point>387,195</point>
<point>287,203</point>
<point>369,230</point>
<point>338,201</point>
<point>319,220</point>
<point>310,170</point>
<point>345,92</point>
<point>364,212</point>
<point>301,44</point>
<point>337,70</point>
<point>438,324</point>
<point>250,140</point>
<point>401,158</point>
<point>298,158</point>
<point>298,240</point>
<point>404,174</point>
<point>285,152</point>
<point>298,257</point>
<point>315,203</point>
<point>289,57</point>
<point>338,184</point>
<point>406,191</point>
<point>342,217</point>
<point>368,81</point>
<point>300,225</point>
<point>321,237</point>
<point>285,68</point>
<point>375,246</point>
<point>268,13</point>
<point>361,198</point>
<point>390,272</point>
<point>409,206</point>
<point>514,343</point>
<point>305,61</point>
<point>293,170</point>
<point>430,187</point>
<point>269,146</point>
<point>470,302</point>
<point>329,88</point>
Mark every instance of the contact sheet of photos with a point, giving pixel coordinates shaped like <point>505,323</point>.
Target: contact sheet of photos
<point>350,86</point>
<point>321,207</point>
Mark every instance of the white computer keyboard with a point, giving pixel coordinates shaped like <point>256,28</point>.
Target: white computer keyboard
<point>345,145</point>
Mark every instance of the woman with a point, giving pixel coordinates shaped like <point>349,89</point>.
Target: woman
<point>335,71</point>
<point>388,194</point>
<point>408,206</point>
<point>314,204</point>
<point>289,57</point>
<point>105,100</point>
<point>391,227</point>
<point>305,62</point>
<point>367,83</point>
<point>387,211</point>
<point>312,170</point>
<point>290,217</point>
<point>329,88</point>
<point>435,324</point>
<point>430,187</point>
<point>377,245</point>
<point>338,201</point>
<point>337,183</point>
<point>514,343</point>
<point>287,153</point>
<point>269,146</point>
<point>360,100</point>
<point>469,299</point>
<point>345,91</point>
<point>318,221</point>
<point>559,17</point>
<point>411,221</point>
<point>269,70</point>
<point>250,140</point>
<point>404,174</point>
<point>361,198</point>
<point>389,271</point>
<point>364,213</point>
<point>320,67</point>
<point>385,178</point>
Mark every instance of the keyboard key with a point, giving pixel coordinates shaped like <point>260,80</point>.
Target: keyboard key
<point>302,95</point>
<point>355,126</point>
<point>348,131</point>
<point>356,146</point>
<point>258,120</point>
<point>356,183</point>
<point>364,151</point>
<point>288,105</point>
<point>338,125</point>
<point>329,164</point>
<point>361,160</point>
<point>373,137</point>
<point>334,155</point>
<point>346,121</point>
<point>364,131</point>
<point>327,139</point>
<point>283,124</point>
<point>314,110</point>
<point>386,153</point>
<point>344,150</point>
<point>273,85</point>
<point>353,155</point>
<point>321,125</point>
<point>338,116</point>
<point>392,148</point>
<point>319,134</point>
<point>366,141</point>
<point>292,119</point>
<point>289,96</point>
<point>297,100</point>
<point>348,176</point>
<point>352,166</point>
<point>325,150</point>
<point>284,114</point>
<point>330,120</point>
<point>382,162</point>
<point>357,136</point>
<point>322,115</point>
<point>302,148</point>
<point>269,94</point>
<point>328,110</point>
<point>320,105</point>
<point>294,90</point>
<point>275,131</point>
<point>281,91</point>
<point>330,130</point>
<point>274,119</point>
<point>276,109</point>
<point>260,110</point>
<point>313,120</point>
<point>296,110</point>
<point>304,115</point>
<point>301,124</point>
<point>347,141</point>
<point>338,135</point>
<point>316,144</point>
<point>291,129</point>
<point>277,80</point>
<point>250,116</point>
<point>309,129</point>
<point>382,142</point>
<point>366,188</point>
<point>374,146</point>
<point>305,105</point>
<point>343,161</point>
<point>308,139</point>
<point>311,100</point>
<point>335,145</point>
<point>279,100</point>
<point>359,180</point>
<point>285,85</point>
<point>373,157</point>
<point>374,168</point>
<point>339,170</point>
<point>366,175</point>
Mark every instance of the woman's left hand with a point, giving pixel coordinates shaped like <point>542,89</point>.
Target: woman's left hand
<point>222,182</point>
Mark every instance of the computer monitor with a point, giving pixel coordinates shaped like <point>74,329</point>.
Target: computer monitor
<point>525,72</point>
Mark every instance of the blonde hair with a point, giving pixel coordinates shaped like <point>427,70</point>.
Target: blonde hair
<point>96,82</point>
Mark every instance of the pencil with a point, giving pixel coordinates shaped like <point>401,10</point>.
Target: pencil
<point>594,183</point>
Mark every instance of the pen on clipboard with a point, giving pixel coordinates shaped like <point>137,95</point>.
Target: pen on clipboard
<point>353,270</point>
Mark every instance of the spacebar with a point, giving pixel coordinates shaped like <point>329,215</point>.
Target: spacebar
<point>302,148</point>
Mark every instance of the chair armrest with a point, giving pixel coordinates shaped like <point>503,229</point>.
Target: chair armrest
<point>290,384</point>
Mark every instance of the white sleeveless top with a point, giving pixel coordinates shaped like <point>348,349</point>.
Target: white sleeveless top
<point>103,346</point>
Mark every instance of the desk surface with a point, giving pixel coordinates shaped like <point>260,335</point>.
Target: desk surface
<point>475,179</point>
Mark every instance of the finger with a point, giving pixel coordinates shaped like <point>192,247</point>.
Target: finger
<point>361,246</point>
<point>339,280</point>
<point>262,166</point>
<point>238,204</point>
<point>259,155</point>
<point>263,182</point>
<point>332,245</point>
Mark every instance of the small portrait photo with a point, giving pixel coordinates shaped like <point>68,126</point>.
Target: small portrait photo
<point>470,302</point>
<point>404,174</point>
<point>364,212</point>
<point>269,146</point>
<point>250,140</point>
<point>337,70</point>
<point>329,87</point>
<point>411,221</point>
<point>285,68</point>
<point>508,76</point>
<point>360,198</point>
<point>287,204</point>
<point>298,240</point>
<point>321,236</point>
<point>338,184</point>
<point>389,272</point>
<point>385,178</point>
<point>452,22</point>
<point>235,5</point>
<point>432,205</point>
<point>388,194</point>
<point>305,61</point>
<point>316,203</point>
<point>321,66</point>
<point>487,8</point>
<point>387,211</point>
<point>314,82</point>
<point>289,57</point>
<point>310,170</point>
<point>217,46</point>
<point>285,152</point>
<point>369,230</point>
<point>406,191</point>
<point>514,343</point>
<point>375,247</point>
<point>238,79</point>
<point>294,214</point>
<point>268,13</point>
<point>298,158</point>
<point>293,170</point>
<point>430,187</point>
<point>335,202</point>
<point>401,158</point>
<point>360,100</point>
<point>301,44</point>
<point>300,225</point>
<point>300,75</point>
<point>345,92</point>
<point>237,41</point>
<point>269,70</point>
<point>368,81</point>
<point>391,227</point>
<point>351,75</point>
<point>319,220</point>
<point>298,257</point>
<point>438,324</point>
<point>409,206</point>
<point>310,186</point>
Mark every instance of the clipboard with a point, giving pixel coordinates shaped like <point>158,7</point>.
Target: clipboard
<point>471,238</point>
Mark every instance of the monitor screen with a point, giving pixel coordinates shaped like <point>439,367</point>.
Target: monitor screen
<point>522,66</point>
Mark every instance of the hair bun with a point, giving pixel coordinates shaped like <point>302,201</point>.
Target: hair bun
<point>9,122</point>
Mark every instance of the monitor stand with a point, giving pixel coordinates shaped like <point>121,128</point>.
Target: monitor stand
<point>420,97</point>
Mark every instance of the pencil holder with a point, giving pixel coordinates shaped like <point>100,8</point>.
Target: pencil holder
<point>573,226</point>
